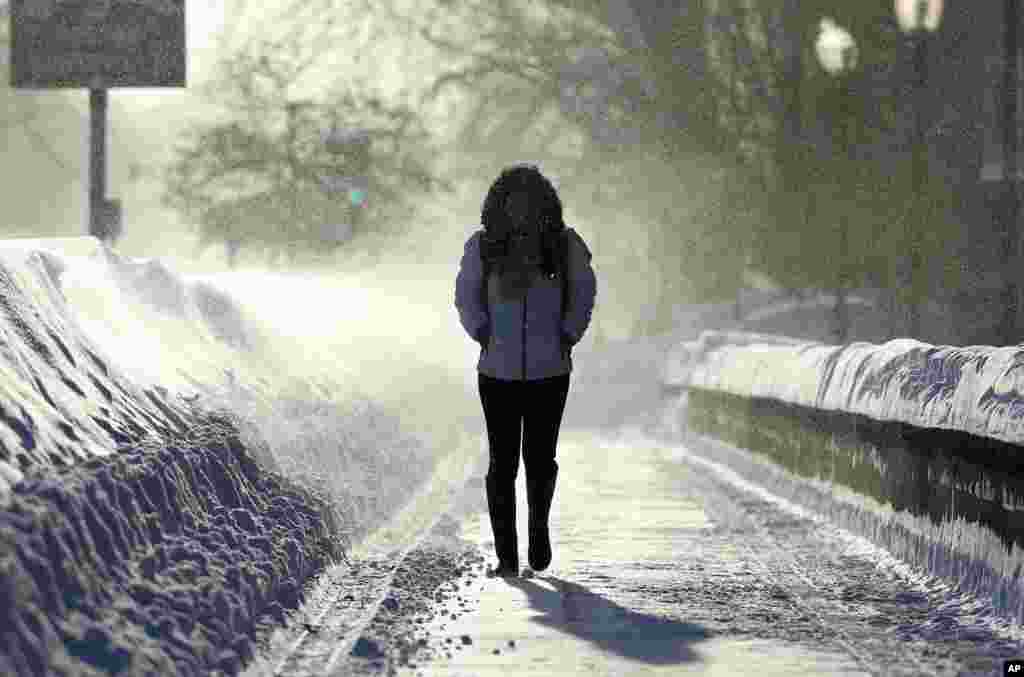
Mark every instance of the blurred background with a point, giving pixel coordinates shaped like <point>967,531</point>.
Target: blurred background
<point>861,156</point>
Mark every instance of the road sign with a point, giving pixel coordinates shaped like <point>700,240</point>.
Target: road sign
<point>97,43</point>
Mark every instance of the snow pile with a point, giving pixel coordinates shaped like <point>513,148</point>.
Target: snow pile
<point>976,389</point>
<point>156,560</point>
<point>62,400</point>
<point>144,525</point>
<point>683,357</point>
<point>135,309</point>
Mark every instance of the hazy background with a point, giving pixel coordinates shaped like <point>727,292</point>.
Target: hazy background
<point>701,148</point>
<point>472,129</point>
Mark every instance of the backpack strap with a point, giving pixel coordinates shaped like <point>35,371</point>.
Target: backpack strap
<point>485,265</point>
<point>563,272</point>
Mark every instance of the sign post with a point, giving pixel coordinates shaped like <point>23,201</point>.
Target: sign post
<point>98,45</point>
<point>97,160</point>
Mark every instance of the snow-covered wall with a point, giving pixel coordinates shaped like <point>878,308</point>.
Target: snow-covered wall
<point>975,389</point>
<point>933,482</point>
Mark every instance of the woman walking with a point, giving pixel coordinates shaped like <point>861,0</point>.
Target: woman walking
<point>525,292</point>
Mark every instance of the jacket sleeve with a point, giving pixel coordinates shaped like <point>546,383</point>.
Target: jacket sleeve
<point>582,289</point>
<point>468,284</point>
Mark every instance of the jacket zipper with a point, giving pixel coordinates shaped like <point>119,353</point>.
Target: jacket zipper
<point>524,332</point>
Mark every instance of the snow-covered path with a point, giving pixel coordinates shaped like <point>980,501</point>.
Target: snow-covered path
<point>665,563</point>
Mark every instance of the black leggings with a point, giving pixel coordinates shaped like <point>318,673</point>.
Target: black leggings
<point>537,407</point>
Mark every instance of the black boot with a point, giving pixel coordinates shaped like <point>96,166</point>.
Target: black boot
<point>502,508</point>
<point>539,495</point>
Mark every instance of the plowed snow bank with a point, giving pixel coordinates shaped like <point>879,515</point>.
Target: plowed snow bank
<point>62,400</point>
<point>154,560</point>
<point>169,467</point>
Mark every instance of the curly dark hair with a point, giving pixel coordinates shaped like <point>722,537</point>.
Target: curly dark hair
<point>544,205</point>
<point>541,207</point>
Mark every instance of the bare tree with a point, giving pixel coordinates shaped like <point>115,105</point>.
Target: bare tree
<point>531,74</point>
<point>264,176</point>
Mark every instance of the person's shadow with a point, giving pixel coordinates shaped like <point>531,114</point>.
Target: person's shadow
<point>572,608</point>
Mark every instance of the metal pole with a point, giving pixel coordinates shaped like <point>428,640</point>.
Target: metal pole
<point>841,309</point>
<point>97,161</point>
<point>919,160</point>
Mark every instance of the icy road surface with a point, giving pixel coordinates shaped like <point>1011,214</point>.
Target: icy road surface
<point>666,563</point>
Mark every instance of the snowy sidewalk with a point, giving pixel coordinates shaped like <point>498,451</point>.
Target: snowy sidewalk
<point>642,583</point>
<point>666,562</point>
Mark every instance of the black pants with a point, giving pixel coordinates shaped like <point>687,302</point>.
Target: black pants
<point>533,407</point>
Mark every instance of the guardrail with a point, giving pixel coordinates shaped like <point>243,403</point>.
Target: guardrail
<point>977,390</point>
<point>685,356</point>
<point>916,447</point>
